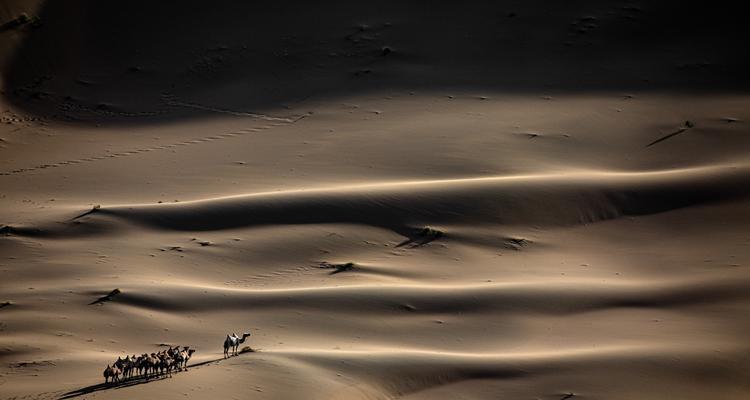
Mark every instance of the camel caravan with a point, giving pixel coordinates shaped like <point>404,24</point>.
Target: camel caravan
<point>162,363</point>
<point>146,366</point>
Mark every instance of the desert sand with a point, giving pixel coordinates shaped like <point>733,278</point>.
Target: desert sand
<point>484,200</point>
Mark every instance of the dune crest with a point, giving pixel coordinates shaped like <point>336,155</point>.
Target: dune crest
<point>546,199</point>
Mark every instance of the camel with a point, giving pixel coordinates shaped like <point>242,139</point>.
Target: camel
<point>173,352</point>
<point>130,367</point>
<point>142,364</point>
<point>124,365</point>
<point>111,372</point>
<point>166,363</point>
<point>189,355</point>
<point>116,371</point>
<point>152,364</point>
<point>183,357</point>
<point>234,342</point>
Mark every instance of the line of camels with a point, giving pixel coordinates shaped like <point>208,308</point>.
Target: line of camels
<point>162,363</point>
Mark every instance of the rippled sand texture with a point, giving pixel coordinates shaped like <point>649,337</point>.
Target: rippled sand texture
<point>425,242</point>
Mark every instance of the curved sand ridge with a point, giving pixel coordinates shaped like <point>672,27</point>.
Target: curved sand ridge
<point>538,297</point>
<point>546,199</point>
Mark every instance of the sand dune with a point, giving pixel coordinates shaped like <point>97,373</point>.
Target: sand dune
<point>552,199</point>
<point>543,298</point>
<point>507,199</point>
<point>567,198</point>
<point>557,281</point>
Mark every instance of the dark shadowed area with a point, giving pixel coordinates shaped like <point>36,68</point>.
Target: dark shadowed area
<point>145,60</point>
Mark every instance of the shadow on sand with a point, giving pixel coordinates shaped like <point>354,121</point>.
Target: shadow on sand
<point>239,58</point>
<point>418,237</point>
<point>139,380</point>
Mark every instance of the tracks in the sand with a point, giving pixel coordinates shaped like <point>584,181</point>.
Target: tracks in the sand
<point>277,121</point>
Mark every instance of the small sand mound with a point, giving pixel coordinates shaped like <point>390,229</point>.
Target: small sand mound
<point>338,268</point>
<point>106,298</point>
